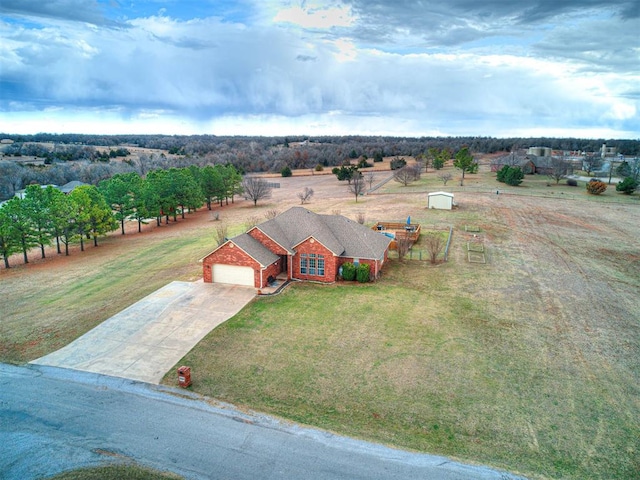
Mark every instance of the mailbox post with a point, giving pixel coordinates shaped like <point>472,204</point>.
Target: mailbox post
<point>184,376</point>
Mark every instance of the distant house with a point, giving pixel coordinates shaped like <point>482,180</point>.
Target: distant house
<point>23,192</point>
<point>528,163</point>
<point>298,244</point>
<point>67,188</point>
<point>440,200</point>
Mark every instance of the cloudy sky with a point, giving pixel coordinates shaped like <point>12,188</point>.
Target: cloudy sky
<point>277,67</point>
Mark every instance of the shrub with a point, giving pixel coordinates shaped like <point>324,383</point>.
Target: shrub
<point>596,187</point>
<point>397,163</point>
<point>378,157</point>
<point>286,171</point>
<point>502,173</point>
<point>364,164</point>
<point>319,167</point>
<point>514,176</point>
<point>510,175</point>
<point>363,273</point>
<point>627,186</point>
<point>348,271</point>
<point>572,182</point>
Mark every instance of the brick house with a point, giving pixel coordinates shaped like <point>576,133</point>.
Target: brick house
<point>298,243</point>
<point>529,164</point>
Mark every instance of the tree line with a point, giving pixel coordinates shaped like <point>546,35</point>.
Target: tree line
<point>45,215</point>
<point>75,157</point>
<point>409,146</point>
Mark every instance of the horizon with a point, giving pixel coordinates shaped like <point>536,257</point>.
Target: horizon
<point>288,137</point>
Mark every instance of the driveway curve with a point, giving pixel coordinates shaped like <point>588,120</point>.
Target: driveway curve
<point>148,338</point>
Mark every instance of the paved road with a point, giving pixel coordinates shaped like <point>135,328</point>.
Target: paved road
<point>54,419</point>
<point>148,338</point>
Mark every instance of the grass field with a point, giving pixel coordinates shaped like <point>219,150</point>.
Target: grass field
<point>530,362</point>
<point>516,363</point>
<point>116,472</point>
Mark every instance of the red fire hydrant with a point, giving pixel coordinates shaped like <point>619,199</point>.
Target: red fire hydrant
<point>184,376</point>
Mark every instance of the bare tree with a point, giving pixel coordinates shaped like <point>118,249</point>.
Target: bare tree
<point>370,178</point>
<point>357,186</point>
<point>512,160</point>
<point>591,163</point>
<point>405,175</point>
<point>423,161</point>
<point>434,243</point>
<point>220,233</point>
<point>559,169</point>
<point>305,195</point>
<point>255,189</point>
<point>403,245</point>
<point>271,214</point>
<point>251,222</point>
<point>11,178</point>
<point>445,177</point>
<point>360,218</point>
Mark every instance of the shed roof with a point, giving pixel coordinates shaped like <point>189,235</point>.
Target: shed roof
<point>433,194</point>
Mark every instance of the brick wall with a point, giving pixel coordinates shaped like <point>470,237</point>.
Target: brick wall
<point>272,270</point>
<point>229,254</point>
<point>267,242</point>
<point>330,261</point>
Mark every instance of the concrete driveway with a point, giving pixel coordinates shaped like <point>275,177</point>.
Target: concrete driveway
<point>148,338</point>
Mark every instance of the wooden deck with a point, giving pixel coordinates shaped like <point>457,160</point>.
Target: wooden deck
<point>399,230</point>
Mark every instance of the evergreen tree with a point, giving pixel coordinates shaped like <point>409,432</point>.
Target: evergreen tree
<point>465,162</point>
<point>22,228</point>
<point>36,203</point>
<point>8,241</point>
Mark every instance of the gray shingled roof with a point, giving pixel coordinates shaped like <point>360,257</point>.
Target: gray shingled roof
<point>69,187</point>
<point>255,249</point>
<point>342,236</point>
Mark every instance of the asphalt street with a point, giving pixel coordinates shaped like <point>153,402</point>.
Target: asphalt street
<point>53,419</point>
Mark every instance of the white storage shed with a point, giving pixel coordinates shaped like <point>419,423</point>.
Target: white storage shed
<point>440,200</point>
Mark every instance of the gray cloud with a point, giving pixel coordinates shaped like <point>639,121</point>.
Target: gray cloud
<point>457,22</point>
<point>88,11</point>
<point>209,68</point>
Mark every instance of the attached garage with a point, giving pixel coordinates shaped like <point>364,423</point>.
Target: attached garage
<point>241,260</point>
<point>233,274</point>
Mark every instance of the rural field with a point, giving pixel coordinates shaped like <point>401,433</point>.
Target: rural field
<point>529,362</point>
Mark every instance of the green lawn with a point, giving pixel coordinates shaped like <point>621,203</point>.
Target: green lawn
<point>529,363</point>
<point>415,361</point>
<point>115,472</point>
<point>48,306</point>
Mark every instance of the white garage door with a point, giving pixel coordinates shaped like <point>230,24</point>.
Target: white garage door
<point>233,274</point>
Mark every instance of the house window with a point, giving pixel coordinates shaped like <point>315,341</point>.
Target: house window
<point>312,264</point>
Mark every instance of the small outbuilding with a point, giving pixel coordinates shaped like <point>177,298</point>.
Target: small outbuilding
<point>440,200</point>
